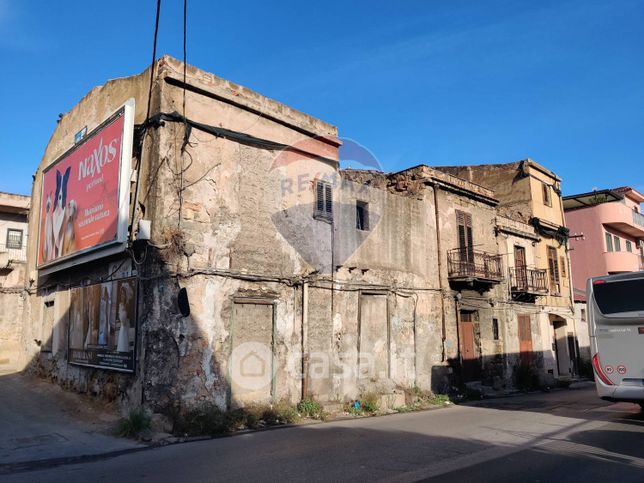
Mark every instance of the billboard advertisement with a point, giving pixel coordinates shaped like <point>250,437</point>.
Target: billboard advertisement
<point>84,200</point>
<point>102,325</point>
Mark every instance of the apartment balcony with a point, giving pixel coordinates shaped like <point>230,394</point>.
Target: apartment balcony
<point>528,283</point>
<point>622,218</point>
<point>9,256</point>
<point>622,261</point>
<point>475,268</point>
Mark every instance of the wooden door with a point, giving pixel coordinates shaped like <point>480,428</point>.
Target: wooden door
<point>525,339</point>
<point>521,273</point>
<point>469,354</point>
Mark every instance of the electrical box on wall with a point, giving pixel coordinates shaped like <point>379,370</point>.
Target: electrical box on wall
<point>145,228</point>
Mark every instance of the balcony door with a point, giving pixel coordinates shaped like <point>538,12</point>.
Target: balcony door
<point>465,241</point>
<point>520,267</point>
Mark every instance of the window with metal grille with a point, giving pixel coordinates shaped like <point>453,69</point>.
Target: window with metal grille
<point>14,238</point>
<point>547,199</point>
<point>618,243</point>
<point>362,215</point>
<point>323,200</point>
<point>629,246</point>
<point>553,266</point>
<point>465,241</point>
<point>495,329</point>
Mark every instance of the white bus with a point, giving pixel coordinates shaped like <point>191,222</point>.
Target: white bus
<point>615,306</point>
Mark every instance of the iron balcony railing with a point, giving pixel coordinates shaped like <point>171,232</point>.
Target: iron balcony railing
<point>9,254</point>
<point>474,264</point>
<point>529,280</point>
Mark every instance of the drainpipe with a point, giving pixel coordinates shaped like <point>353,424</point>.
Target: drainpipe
<point>440,272</point>
<point>305,341</point>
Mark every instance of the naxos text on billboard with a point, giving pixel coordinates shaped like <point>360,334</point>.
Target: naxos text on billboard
<point>82,193</point>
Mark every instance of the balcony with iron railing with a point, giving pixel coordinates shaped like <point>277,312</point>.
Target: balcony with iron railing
<point>528,280</point>
<point>468,265</point>
<point>9,255</point>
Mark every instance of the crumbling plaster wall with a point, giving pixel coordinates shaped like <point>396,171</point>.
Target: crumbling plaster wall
<point>510,187</point>
<point>11,310</point>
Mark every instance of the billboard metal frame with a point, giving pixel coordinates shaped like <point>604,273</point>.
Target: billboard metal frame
<point>125,172</point>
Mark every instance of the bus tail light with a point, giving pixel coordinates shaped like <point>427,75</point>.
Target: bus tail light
<point>598,370</point>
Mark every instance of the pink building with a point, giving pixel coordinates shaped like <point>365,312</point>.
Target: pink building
<point>607,234</point>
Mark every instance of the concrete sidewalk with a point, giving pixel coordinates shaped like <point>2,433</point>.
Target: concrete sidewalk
<point>41,421</point>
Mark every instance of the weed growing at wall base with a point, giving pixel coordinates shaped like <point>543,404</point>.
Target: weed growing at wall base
<point>135,423</point>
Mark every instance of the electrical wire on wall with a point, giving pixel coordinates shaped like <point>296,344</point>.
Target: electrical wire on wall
<point>147,118</point>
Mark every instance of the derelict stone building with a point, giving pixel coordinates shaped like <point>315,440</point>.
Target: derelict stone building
<point>218,254</point>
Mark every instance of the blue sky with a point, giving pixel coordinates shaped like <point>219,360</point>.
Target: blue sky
<point>435,82</point>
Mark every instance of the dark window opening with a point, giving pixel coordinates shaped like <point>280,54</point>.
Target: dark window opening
<point>495,329</point>
<point>362,215</point>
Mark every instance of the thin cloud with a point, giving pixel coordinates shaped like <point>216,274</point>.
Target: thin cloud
<point>15,34</point>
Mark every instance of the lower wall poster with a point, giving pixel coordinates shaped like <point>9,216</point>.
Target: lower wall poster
<point>102,325</point>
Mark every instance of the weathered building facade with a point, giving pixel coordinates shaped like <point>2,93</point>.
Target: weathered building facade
<point>14,210</point>
<point>531,194</point>
<point>252,269</point>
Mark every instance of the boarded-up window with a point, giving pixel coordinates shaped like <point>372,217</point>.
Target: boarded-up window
<point>547,199</point>
<point>374,337</point>
<point>465,239</point>
<point>251,370</point>
<point>47,326</point>
<point>323,200</point>
<point>553,269</point>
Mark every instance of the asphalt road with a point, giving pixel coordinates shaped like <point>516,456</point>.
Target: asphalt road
<point>566,435</point>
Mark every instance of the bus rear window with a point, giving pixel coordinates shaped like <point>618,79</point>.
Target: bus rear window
<point>617,297</point>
